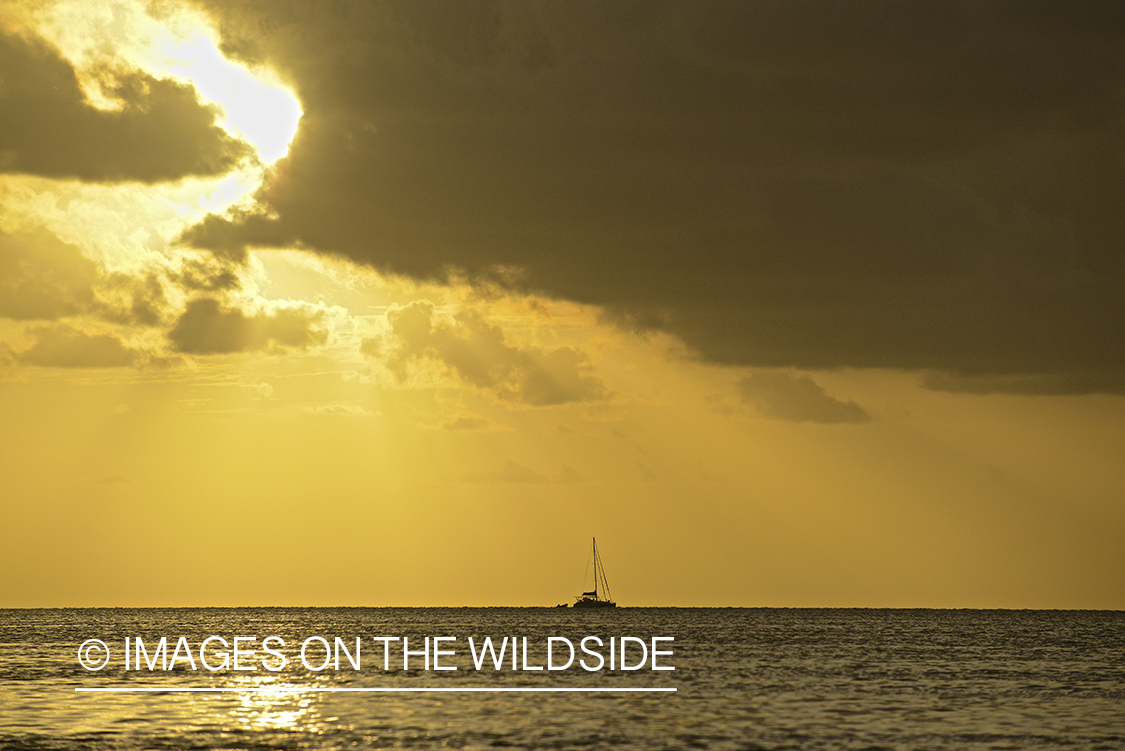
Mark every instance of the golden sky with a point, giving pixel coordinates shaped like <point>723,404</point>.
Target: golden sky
<point>789,304</point>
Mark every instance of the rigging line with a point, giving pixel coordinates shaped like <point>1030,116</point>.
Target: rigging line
<point>586,571</point>
<point>601,569</point>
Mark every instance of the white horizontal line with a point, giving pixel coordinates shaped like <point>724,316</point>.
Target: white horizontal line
<point>298,690</point>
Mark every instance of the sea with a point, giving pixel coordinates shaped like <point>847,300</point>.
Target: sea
<point>739,679</point>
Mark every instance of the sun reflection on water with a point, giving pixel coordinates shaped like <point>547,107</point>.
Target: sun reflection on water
<point>281,708</point>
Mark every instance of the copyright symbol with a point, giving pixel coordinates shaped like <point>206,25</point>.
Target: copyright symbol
<point>93,654</point>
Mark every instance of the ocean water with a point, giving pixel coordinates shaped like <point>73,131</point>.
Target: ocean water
<point>744,679</point>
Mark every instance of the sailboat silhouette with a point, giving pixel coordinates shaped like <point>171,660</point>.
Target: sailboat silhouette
<point>596,598</point>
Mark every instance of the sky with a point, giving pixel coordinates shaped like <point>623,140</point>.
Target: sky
<point>790,304</point>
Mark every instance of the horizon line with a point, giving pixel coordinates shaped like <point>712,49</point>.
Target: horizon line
<point>554,607</point>
<point>551,607</point>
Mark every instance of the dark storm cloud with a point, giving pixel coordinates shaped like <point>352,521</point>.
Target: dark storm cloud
<point>922,185</point>
<point>208,327</point>
<point>43,278</point>
<point>1056,384</point>
<point>205,275</point>
<point>64,346</point>
<point>476,351</point>
<point>797,398</point>
<point>130,300</point>
<point>48,128</point>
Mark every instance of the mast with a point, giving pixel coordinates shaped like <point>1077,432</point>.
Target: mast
<point>595,567</point>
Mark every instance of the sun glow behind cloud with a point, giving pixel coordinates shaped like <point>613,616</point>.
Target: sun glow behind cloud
<point>106,38</point>
<point>131,227</point>
<point>262,112</point>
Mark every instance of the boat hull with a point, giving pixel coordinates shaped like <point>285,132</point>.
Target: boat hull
<point>590,603</point>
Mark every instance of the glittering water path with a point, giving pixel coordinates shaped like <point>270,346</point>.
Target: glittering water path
<point>743,679</point>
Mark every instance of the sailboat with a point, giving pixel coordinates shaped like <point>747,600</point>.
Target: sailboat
<point>596,599</point>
